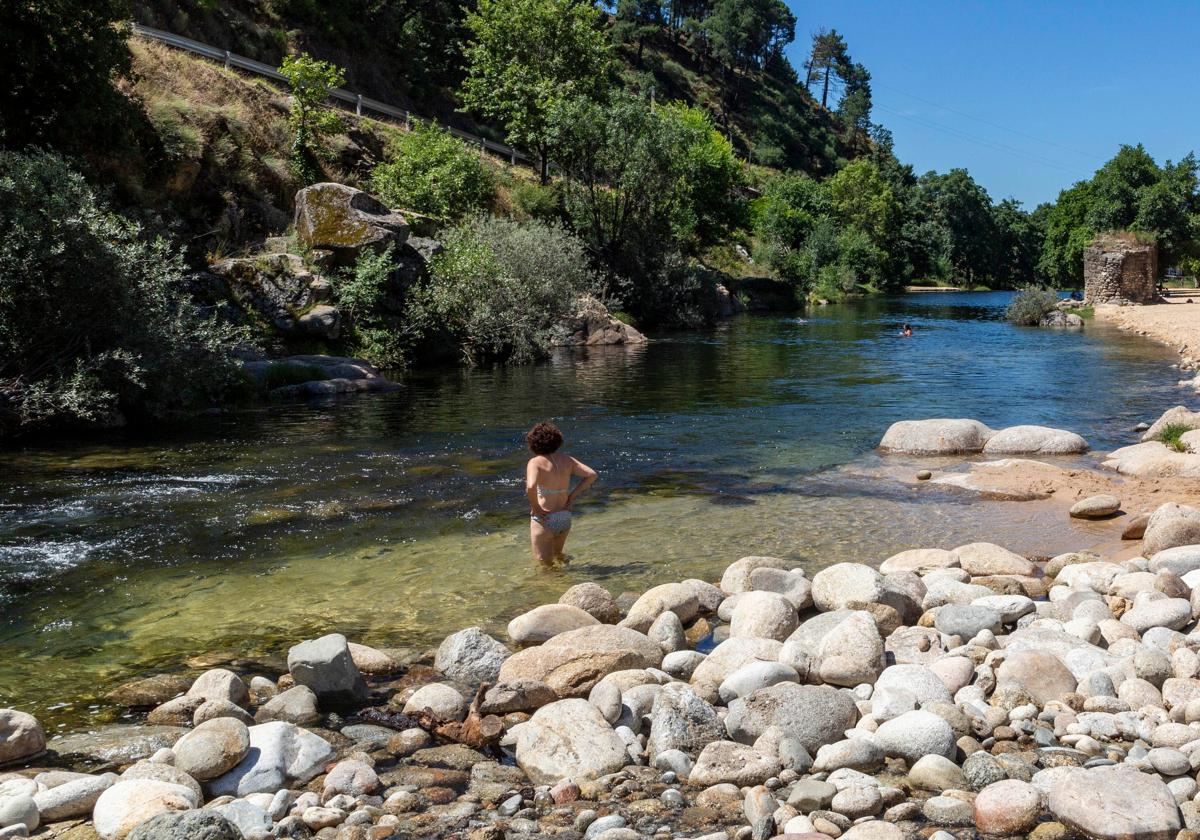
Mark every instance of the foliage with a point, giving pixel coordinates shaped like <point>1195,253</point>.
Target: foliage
<point>1030,305</point>
<point>502,288</point>
<point>310,81</point>
<point>58,61</point>
<point>535,201</point>
<point>1131,192</point>
<point>1171,433</point>
<point>374,329</point>
<point>643,185</point>
<point>525,57</point>
<point>749,33</point>
<point>432,172</point>
<point>95,321</point>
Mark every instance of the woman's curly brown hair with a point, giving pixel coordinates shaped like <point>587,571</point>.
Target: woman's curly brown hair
<point>544,438</point>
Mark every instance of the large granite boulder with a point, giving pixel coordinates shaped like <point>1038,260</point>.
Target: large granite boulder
<point>592,324</point>
<point>817,715</point>
<point>1117,803</point>
<point>936,437</point>
<point>1034,440</point>
<point>21,736</point>
<point>280,755</point>
<point>281,290</point>
<point>326,666</point>
<point>1177,416</point>
<point>344,220</point>
<point>471,656</point>
<point>1171,525</point>
<point>568,739</point>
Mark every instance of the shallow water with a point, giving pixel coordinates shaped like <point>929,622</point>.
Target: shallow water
<point>398,518</point>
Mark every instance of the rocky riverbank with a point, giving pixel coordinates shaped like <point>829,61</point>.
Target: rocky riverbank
<point>958,691</point>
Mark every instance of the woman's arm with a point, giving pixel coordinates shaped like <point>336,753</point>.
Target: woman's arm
<point>531,474</point>
<point>589,478</point>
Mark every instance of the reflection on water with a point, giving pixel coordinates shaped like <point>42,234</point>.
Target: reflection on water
<point>398,518</point>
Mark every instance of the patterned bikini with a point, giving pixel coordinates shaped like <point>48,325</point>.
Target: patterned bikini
<point>557,522</point>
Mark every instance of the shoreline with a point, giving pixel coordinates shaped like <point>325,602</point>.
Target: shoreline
<point>694,707</point>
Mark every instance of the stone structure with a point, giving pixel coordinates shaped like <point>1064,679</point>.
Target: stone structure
<point>1119,269</point>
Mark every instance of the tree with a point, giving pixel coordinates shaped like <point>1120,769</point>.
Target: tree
<point>635,21</point>
<point>1018,244</point>
<point>525,57</point>
<point>58,61</point>
<point>430,171</point>
<point>746,34</point>
<point>829,53</point>
<point>960,213</point>
<point>96,325</point>
<point>310,81</point>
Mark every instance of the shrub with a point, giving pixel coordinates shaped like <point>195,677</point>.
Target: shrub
<point>501,288</point>
<point>1030,305</point>
<point>310,81</point>
<point>95,321</point>
<point>536,201</point>
<point>373,329</point>
<point>1171,433</point>
<point>433,172</point>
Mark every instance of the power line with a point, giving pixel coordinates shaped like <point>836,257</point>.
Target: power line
<point>991,144</point>
<point>1001,126</point>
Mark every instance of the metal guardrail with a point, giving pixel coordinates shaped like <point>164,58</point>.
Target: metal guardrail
<point>360,103</point>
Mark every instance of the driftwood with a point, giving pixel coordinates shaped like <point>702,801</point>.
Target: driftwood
<point>477,731</point>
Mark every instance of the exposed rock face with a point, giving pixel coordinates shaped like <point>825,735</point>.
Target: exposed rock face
<point>1118,269</point>
<point>281,290</point>
<point>341,219</point>
<point>936,437</point>
<point>592,324</point>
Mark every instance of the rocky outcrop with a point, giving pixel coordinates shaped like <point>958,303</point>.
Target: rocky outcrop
<point>936,437</point>
<point>345,221</point>
<point>282,291</point>
<point>592,324</point>
<point>317,376</point>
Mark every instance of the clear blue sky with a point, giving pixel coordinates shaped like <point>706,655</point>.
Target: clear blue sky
<point>1074,79</point>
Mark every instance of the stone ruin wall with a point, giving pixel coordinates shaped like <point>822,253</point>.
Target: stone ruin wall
<point>1120,272</point>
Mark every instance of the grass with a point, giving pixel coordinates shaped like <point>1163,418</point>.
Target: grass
<point>1087,313</point>
<point>292,373</point>
<point>1171,434</point>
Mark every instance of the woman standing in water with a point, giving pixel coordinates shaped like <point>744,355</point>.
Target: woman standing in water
<point>548,486</point>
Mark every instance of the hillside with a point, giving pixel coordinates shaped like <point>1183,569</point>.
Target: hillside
<point>773,121</point>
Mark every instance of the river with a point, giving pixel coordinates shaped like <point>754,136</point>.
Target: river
<point>399,518</point>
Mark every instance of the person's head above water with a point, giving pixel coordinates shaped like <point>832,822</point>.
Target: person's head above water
<point>544,438</point>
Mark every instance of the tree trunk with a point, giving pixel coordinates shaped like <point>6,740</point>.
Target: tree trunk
<point>544,165</point>
<point>825,90</point>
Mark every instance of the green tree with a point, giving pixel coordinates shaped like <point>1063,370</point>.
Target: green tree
<point>526,56</point>
<point>960,213</point>
<point>747,34</point>
<point>829,54</point>
<point>1018,244</point>
<point>432,172</point>
<point>635,21</point>
<point>1066,236</point>
<point>58,61</point>
<point>96,324</point>
<point>311,82</point>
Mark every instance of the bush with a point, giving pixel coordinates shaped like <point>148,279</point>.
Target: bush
<point>95,322</point>
<point>373,330</point>
<point>433,172</point>
<point>1030,305</point>
<point>1171,433</point>
<point>536,201</point>
<point>501,289</point>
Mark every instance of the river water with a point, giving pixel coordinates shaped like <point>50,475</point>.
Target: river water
<point>399,518</point>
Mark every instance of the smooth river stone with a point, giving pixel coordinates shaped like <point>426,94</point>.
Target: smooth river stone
<point>567,739</point>
<point>1095,507</point>
<point>543,623</point>
<point>936,437</point>
<point>1114,804</point>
